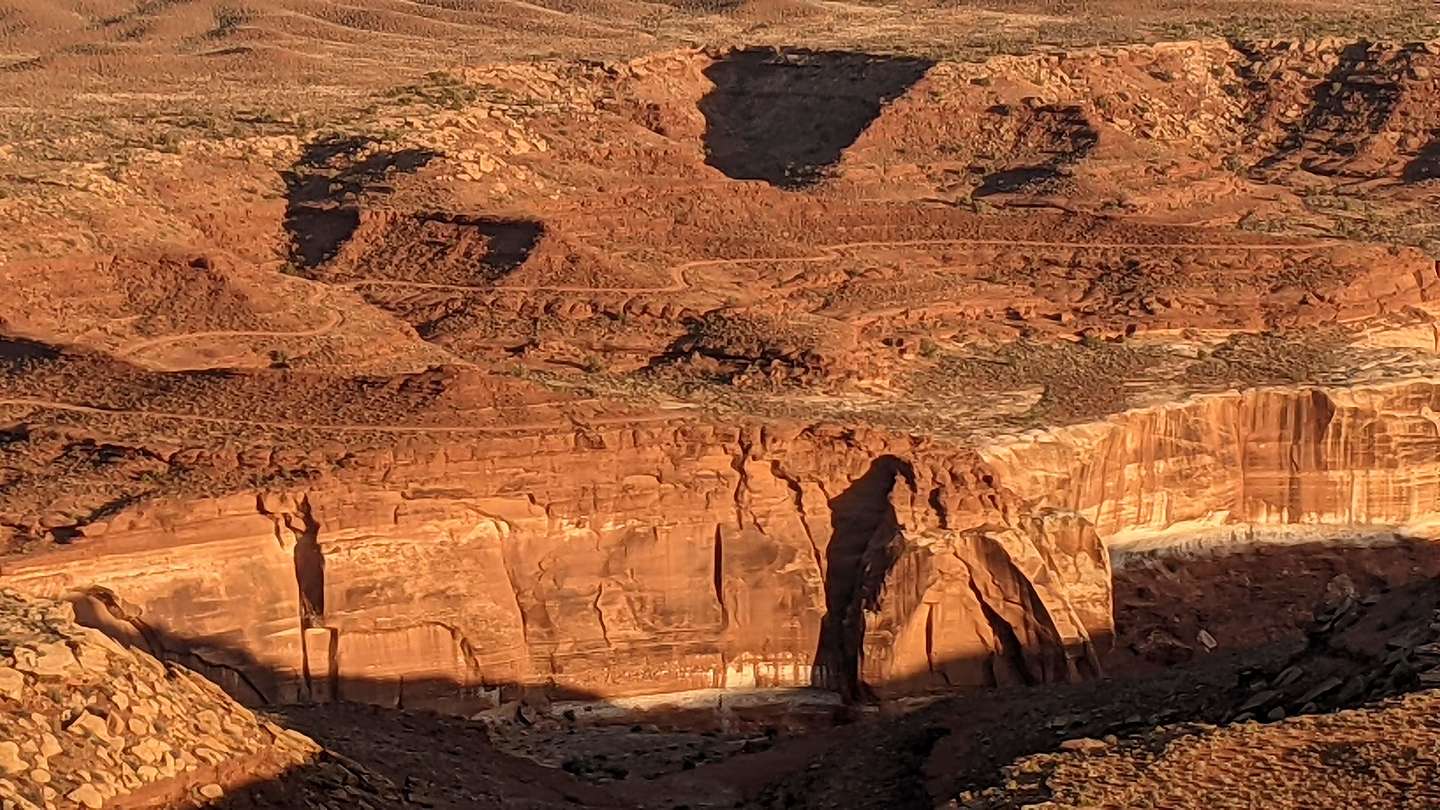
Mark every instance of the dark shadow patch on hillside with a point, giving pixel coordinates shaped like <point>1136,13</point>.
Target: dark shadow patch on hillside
<point>317,234</point>
<point>785,117</point>
<point>1018,181</point>
<point>18,352</point>
<point>1424,166</point>
<point>325,185</point>
<point>1041,143</point>
<point>1348,108</point>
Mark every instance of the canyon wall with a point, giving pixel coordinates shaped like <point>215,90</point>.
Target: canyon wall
<point>1272,460</point>
<point>602,563</point>
<point>631,560</point>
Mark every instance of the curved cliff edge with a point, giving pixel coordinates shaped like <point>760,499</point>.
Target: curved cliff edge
<point>685,557</point>
<point>86,722</point>
<point>1256,465</point>
<point>608,564</point>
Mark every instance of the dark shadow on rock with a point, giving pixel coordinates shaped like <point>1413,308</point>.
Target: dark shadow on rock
<point>318,233</point>
<point>1053,137</point>
<point>398,758</point>
<point>1245,598</point>
<point>1014,181</point>
<point>1424,166</point>
<point>323,187</point>
<point>446,760</point>
<point>18,352</point>
<point>784,117</point>
<point>862,523</point>
<point>1350,104</point>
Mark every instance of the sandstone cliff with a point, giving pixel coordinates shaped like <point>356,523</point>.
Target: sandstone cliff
<point>604,563</point>
<point>1272,459</point>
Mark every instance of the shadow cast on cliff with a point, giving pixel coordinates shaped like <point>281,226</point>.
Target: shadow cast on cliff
<point>446,761</point>
<point>784,117</point>
<point>863,522</point>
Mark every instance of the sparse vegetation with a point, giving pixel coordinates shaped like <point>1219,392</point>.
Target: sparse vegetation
<point>229,19</point>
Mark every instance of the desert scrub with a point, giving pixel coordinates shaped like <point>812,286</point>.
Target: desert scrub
<point>1079,380</point>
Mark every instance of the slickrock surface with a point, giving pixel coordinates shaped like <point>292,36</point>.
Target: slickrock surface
<point>86,722</point>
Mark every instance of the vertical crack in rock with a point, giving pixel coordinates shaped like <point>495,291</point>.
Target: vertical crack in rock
<point>278,526</point>
<point>1307,448</point>
<point>930,663</point>
<point>466,650</point>
<point>742,485</point>
<point>600,615</point>
<point>1010,650</point>
<point>793,483</point>
<point>509,567</point>
<point>718,577</point>
<point>332,656</point>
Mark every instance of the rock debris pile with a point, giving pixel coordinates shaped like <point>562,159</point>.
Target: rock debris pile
<point>86,722</point>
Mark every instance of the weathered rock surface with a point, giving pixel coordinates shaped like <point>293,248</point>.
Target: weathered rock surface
<point>930,622</point>
<point>1358,651</point>
<point>87,722</point>
<point>629,561</point>
<point>1362,457</point>
<point>1380,756</point>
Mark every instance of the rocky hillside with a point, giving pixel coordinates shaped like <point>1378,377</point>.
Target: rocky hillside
<point>85,722</point>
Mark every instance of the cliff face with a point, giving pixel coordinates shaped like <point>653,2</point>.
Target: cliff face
<point>994,605</point>
<point>645,558</point>
<point>603,563</point>
<point>1285,459</point>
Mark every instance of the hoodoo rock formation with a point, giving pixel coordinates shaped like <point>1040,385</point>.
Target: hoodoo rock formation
<point>618,562</point>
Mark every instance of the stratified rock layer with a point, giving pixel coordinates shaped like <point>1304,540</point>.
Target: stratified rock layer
<point>628,561</point>
<point>1284,458</point>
